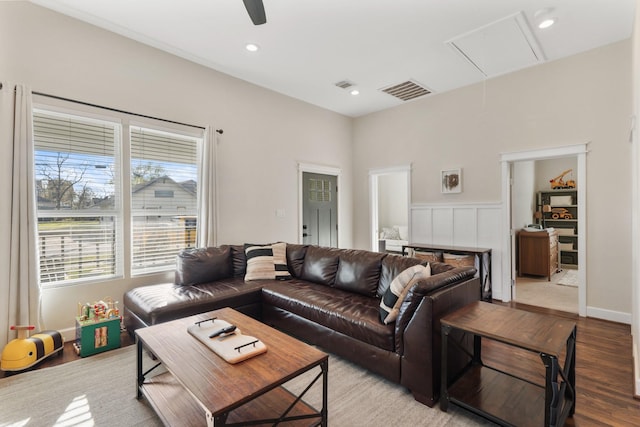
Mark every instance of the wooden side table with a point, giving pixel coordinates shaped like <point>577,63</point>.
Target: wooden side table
<point>502,397</point>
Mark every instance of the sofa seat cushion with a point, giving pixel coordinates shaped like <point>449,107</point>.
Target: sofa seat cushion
<point>346,312</point>
<point>160,303</point>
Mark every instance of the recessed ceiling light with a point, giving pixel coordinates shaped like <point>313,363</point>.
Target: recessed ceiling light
<point>355,92</point>
<point>252,47</point>
<point>546,23</point>
<point>544,18</point>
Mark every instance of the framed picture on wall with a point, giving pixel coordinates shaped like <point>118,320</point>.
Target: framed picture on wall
<point>451,181</point>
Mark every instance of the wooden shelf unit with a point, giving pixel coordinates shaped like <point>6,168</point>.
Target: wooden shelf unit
<point>567,228</point>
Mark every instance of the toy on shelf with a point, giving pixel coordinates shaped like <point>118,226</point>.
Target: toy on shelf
<point>25,351</point>
<point>99,310</point>
<point>558,182</point>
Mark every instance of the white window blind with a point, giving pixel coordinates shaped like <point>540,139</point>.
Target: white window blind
<point>78,205</point>
<point>163,197</point>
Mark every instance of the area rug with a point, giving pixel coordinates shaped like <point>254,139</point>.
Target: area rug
<point>570,278</point>
<point>100,391</point>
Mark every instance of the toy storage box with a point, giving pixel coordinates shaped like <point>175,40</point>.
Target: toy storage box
<point>96,336</point>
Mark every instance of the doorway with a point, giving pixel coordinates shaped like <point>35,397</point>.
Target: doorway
<point>319,209</point>
<point>390,198</point>
<point>512,224</point>
<point>556,287</point>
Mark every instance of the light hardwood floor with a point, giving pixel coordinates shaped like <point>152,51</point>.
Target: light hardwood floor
<point>540,292</point>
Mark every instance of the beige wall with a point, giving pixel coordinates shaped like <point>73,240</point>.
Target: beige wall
<point>574,100</point>
<point>635,329</point>
<point>265,134</point>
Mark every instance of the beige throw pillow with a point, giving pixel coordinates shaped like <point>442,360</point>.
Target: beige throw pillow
<point>400,286</point>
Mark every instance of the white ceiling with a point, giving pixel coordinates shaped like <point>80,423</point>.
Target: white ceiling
<point>307,46</point>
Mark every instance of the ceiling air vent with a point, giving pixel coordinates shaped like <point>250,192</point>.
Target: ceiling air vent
<point>407,91</point>
<point>344,84</point>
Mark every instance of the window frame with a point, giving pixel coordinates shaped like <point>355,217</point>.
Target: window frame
<point>159,129</point>
<point>124,227</point>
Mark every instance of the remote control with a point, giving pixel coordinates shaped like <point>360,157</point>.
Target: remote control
<point>226,330</point>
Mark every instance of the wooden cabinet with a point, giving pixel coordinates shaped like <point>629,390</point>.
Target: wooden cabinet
<point>559,210</point>
<point>538,253</point>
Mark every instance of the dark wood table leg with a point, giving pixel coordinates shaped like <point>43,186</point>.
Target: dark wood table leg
<point>140,376</point>
<point>571,350</point>
<point>444,383</point>
<point>325,395</point>
<point>552,389</point>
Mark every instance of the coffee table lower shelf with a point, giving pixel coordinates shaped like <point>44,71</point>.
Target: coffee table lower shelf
<point>499,397</point>
<point>175,406</point>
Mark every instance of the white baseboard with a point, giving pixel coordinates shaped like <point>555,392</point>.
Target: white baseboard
<point>69,334</point>
<point>613,316</point>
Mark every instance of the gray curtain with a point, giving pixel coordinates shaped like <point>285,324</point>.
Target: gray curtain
<point>207,216</point>
<point>19,284</point>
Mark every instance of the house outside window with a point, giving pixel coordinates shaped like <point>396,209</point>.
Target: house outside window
<point>79,209</point>
<point>164,199</point>
<point>83,167</point>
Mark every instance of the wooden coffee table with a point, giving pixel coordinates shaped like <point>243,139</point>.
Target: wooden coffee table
<point>500,396</point>
<point>200,388</point>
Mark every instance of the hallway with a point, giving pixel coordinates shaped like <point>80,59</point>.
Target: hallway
<point>540,292</point>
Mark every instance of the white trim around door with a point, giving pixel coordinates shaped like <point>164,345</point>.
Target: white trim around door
<point>506,159</point>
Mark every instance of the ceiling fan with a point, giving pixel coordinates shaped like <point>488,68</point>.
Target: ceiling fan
<point>255,8</point>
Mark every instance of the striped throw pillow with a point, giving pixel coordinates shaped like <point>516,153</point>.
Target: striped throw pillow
<point>400,286</point>
<point>266,262</point>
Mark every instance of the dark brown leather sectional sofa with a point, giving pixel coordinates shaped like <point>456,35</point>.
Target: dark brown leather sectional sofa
<point>331,301</point>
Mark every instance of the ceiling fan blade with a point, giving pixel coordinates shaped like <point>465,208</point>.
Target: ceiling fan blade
<point>255,8</point>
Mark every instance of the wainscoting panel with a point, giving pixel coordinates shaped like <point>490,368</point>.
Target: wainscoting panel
<point>471,225</point>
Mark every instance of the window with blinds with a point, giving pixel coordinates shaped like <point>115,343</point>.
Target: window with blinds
<point>79,209</point>
<point>163,198</point>
<point>83,176</point>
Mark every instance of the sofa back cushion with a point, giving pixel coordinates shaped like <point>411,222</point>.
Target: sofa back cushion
<point>203,265</point>
<point>320,265</point>
<point>392,266</point>
<point>359,271</point>
<point>238,260</point>
<point>295,258</point>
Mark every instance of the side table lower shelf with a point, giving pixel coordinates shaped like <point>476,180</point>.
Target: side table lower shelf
<point>498,394</point>
<point>176,406</point>
<point>164,392</point>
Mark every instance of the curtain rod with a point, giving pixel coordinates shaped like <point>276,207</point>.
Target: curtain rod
<point>119,111</point>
